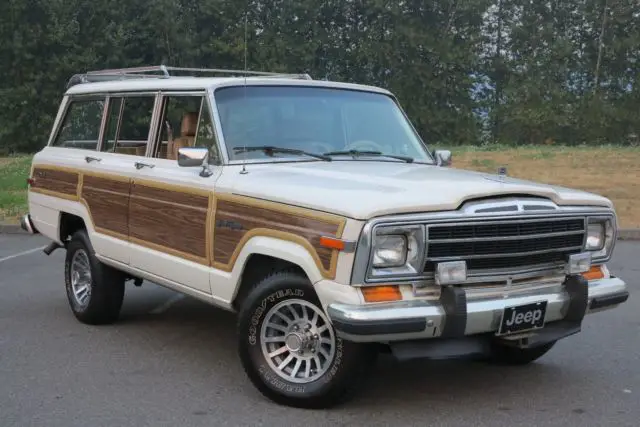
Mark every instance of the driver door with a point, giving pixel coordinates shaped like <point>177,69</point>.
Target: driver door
<point>171,207</point>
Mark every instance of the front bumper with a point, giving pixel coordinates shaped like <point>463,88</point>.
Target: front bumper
<point>459,314</point>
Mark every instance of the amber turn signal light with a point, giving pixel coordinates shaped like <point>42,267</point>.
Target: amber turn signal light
<point>332,243</point>
<point>594,273</point>
<point>381,293</point>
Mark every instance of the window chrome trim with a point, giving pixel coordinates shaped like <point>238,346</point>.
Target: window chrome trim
<point>217,126</point>
<point>362,258</point>
<point>118,123</point>
<point>57,124</point>
<point>103,124</point>
<point>154,124</point>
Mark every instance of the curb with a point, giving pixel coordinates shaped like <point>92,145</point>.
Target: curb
<point>11,229</point>
<point>623,234</point>
<point>629,234</point>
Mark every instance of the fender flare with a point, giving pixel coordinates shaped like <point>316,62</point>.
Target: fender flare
<point>285,250</point>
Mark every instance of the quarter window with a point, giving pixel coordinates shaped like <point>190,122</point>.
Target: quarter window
<point>81,125</point>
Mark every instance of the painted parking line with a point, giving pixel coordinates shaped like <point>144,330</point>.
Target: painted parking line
<point>167,304</point>
<point>19,254</point>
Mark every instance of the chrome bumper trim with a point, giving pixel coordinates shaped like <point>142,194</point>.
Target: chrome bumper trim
<point>420,319</point>
<point>27,225</point>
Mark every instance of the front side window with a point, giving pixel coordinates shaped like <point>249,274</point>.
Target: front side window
<point>186,122</point>
<point>81,124</point>
<point>314,119</point>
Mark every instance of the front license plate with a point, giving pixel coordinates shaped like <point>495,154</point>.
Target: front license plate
<point>523,318</point>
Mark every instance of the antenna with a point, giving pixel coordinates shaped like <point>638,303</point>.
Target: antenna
<point>244,151</point>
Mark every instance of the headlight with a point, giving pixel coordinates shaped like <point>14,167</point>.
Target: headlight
<point>396,251</point>
<point>595,237</point>
<point>390,251</point>
<point>600,238</point>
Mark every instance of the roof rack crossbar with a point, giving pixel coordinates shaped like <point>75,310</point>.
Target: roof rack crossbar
<point>146,72</point>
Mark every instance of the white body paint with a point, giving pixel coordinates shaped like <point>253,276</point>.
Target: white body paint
<point>358,191</point>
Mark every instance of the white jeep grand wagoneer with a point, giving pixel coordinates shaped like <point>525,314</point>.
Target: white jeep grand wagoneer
<point>314,210</point>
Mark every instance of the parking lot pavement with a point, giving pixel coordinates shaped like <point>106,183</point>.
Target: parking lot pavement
<point>174,364</point>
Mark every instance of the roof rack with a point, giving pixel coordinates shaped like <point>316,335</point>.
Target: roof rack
<point>163,71</point>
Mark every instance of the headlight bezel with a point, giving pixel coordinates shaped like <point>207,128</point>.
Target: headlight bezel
<point>414,236</point>
<point>385,242</point>
<point>596,230</point>
<point>603,254</point>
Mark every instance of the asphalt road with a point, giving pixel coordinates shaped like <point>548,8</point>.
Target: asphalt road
<point>174,364</point>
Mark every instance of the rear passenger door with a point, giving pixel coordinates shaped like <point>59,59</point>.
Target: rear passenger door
<point>171,206</point>
<point>106,186</point>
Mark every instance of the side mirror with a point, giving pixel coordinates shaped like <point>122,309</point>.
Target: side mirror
<point>443,157</point>
<point>193,157</point>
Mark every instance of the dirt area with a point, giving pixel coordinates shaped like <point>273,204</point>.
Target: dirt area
<point>613,172</point>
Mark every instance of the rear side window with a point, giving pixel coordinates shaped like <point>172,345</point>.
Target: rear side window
<point>128,124</point>
<point>81,125</point>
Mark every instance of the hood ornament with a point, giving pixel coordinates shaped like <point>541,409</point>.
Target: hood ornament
<point>502,173</point>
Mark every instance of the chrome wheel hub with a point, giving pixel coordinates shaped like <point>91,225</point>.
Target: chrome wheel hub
<point>294,342</point>
<point>80,276</point>
<point>297,341</point>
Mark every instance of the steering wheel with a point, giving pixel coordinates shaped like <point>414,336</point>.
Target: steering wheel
<point>364,145</point>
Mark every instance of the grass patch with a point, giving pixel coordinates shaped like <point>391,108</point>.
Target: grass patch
<point>613,172</point>
<point>14,172</point>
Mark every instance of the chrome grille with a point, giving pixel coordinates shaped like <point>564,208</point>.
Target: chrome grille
<point>505,244</point>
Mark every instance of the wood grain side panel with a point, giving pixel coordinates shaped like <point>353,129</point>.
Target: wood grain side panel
<point>170,219</point>
<point>120,185</point>
<point>233,220</point>
<point>180,196</point>
<point>108,203</point>
<point>57,181</point>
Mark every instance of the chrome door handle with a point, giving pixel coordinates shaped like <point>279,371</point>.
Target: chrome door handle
<point>90,159</point>
<point>140,165</point>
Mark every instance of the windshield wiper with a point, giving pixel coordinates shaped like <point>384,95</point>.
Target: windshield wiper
<point>357,153</point>
<point>270,151</point>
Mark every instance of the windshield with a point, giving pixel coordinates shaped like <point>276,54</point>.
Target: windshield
<point>315,120</point>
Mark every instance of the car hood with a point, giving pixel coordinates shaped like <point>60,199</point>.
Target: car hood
<point>367,189</point>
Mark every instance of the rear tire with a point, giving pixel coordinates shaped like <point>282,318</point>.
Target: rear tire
<point>289,349</point>
<point>95,291</point>
<point>505,355</point>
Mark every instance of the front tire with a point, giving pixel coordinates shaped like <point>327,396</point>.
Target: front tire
<point>290,350</point>
<point>95,291</point>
